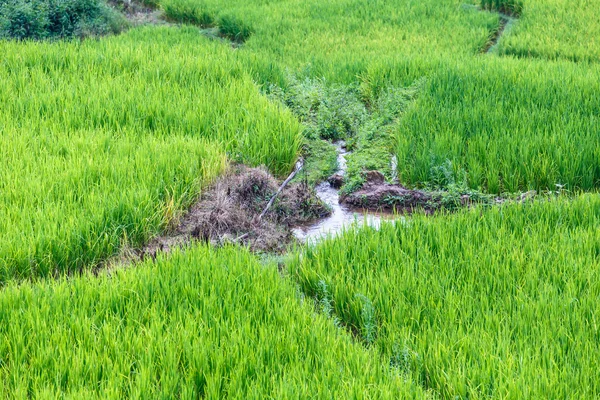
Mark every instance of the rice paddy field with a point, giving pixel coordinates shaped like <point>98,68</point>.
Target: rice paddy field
<point>107,140</point>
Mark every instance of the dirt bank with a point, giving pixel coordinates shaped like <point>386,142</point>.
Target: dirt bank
<point>378,195</point>
<point>229,211</point>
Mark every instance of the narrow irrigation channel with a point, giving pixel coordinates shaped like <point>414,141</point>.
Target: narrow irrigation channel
<point>342,217</point>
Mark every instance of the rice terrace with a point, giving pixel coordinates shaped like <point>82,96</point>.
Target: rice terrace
<point>342,199</point>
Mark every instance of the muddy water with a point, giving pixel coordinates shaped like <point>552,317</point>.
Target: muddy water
<point>341,217</point>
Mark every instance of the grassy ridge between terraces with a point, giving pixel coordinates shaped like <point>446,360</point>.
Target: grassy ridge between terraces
<point>103,142</point>
<point>204,324</point>
<point>499,303</point>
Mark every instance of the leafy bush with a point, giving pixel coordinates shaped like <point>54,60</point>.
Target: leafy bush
<point>50,19</point>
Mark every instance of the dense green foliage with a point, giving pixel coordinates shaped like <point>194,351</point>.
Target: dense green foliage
<point>205,323</point>
<point>363,120</point>
<point>99,151</point>
<point>51,19</point>
<point>484,304</point>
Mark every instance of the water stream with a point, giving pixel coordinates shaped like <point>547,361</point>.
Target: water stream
<point>341,217</point>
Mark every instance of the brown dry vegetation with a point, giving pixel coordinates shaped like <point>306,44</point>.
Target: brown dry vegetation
<point>228,212</point>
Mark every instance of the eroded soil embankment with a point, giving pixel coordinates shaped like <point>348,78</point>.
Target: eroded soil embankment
<point>376,194</point>
<point>229,212</point>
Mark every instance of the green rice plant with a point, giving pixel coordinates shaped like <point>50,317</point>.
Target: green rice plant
<point>234,29</point>
<point>503,123</point>
<point>509,124</point>
<point>318,39</point>
<point>104,142</point>
<point>204,323</point>
<point>556,29</point>
<point>188,12</point>
<point>508,7</point>
<point>486,303</point>
<point>85,175</point>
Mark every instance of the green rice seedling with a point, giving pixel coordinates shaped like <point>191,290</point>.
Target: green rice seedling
<point>104,141</point>
<point>339,40</point>
<point>234,28</point>
<point>188,12</point>
<point>509,124</point>
<point>495,303</point>
<point>556,29</point>
<point>503,123</point>
<point>82,175</point>
<point>204,323</point>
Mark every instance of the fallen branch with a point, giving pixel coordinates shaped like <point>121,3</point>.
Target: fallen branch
<point>244,236</point>
<point>298,167</point>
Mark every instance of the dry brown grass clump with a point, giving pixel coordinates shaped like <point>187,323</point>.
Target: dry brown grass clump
<point>229,212</point>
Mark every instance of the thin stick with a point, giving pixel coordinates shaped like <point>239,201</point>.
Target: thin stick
<point>245,235</point>
<point>298,167</point>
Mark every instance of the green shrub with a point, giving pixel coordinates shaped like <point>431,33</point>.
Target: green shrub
<point>20,19</point>
<point>49,19</point>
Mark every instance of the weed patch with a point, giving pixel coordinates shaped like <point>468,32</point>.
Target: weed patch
<point>349,113</point>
